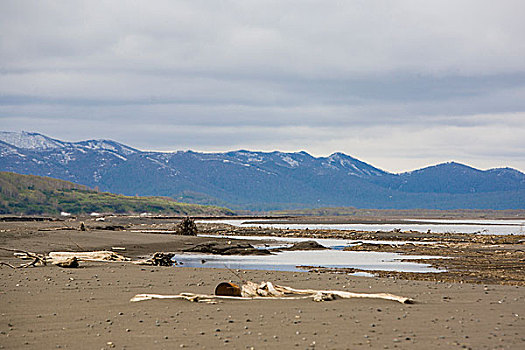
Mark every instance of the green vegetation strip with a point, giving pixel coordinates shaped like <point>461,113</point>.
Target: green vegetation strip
<point>29,195</point>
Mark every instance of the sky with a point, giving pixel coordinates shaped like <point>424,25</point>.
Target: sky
<point>398,84</point>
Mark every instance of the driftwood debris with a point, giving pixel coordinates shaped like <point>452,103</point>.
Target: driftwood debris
<point>61,228</point>
<point>101,255</point>
<point>269,291</point>
<point>63,259</point>
<point>158,259</point>
<point>84,227</point>
<point>36,259</point>
<point>72,259</point>
<point>187,227</point>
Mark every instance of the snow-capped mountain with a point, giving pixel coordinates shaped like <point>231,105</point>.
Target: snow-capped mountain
<point>259,180</point>
<point>38,142</point>
<point>30,140</point>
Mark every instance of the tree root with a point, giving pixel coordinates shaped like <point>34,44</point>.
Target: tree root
<point>37,258</point>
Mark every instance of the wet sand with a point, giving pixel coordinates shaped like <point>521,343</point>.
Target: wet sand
<point>88,308</point>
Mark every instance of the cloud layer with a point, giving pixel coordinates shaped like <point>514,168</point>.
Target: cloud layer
<point>399,84</point>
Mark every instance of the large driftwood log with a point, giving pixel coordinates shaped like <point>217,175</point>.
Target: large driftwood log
<point>101,255</point>
<point>269,291</point>
<point>63,259</point>
<point>204,298</point>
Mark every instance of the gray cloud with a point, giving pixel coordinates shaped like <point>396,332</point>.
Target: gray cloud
<point>400,84</point>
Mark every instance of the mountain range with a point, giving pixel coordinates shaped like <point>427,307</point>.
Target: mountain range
<point>259,180</point>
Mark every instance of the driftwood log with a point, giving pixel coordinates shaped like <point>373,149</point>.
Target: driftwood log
<point>100,255</point>
<point>269,291</point>
<point>36,259</point>
<point>72,259</point>
<point>63,259</point>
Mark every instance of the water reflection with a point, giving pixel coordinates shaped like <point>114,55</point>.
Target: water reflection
<point>290,260</point>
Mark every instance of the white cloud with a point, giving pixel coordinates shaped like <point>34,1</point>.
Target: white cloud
<point>400,84</point>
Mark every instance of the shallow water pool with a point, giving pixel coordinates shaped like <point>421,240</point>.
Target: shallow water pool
<point>291,260</point>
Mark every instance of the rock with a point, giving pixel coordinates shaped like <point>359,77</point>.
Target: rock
<point>307,245</point>
<point>159,259</point>
<point>111,228</point>
<point>221,248</point>
<point>67,263</point>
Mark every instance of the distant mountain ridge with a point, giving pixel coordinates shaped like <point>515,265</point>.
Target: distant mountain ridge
<point>260,180</point>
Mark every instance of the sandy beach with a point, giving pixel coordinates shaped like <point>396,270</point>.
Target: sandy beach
<point>88,307</point>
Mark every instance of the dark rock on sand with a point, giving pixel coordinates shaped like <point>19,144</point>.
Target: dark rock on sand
<point>223,248</point>
<point>110,228</point>
<point>160,259</point>
<point>68,263</point>
<point>306,245</point>
<point>375,247</point>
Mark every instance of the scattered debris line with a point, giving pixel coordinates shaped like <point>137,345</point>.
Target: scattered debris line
<point>72,259</point>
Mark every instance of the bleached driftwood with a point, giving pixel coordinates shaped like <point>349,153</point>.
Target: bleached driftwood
<point>37,259</point>
<point>63,259</point>
<point>204,298</point>
<point>269,291</point>
<point>101,255</point>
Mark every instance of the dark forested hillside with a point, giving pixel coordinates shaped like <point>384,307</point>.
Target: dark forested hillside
<point>28,194</point>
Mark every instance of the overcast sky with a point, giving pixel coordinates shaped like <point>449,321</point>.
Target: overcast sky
<point>398,84</point>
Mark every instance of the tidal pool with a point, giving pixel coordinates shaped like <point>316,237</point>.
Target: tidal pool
<point>291,260</point>
<point>335,257</point>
